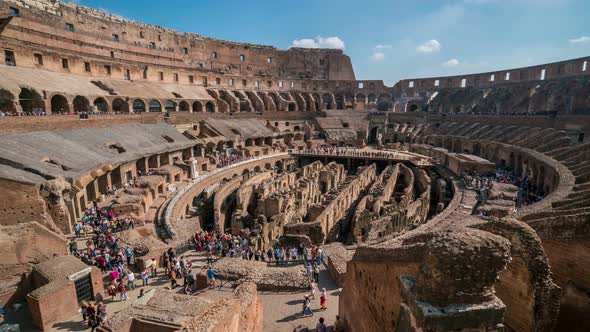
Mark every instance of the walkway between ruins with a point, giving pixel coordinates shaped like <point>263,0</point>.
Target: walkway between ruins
<point>282,311</point>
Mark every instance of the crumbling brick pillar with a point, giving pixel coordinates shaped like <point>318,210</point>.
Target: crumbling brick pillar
<point>454,288</point>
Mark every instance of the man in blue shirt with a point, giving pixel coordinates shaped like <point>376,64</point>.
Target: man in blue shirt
<point>211,277</point>
<point>128,255</point>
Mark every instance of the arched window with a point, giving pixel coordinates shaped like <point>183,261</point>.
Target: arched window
<point>138,106</point>
<point>155,106</point>
<point>209,107</point>
<point>31,101</point>
<point>170,106</point>
<point>59,105</point>
<point>183,106</point>
<point>81,105</point>
<point>120,106</point>
<point>197,106</point>
<point>101,105</point>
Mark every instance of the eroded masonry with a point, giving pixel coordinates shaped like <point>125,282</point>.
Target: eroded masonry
<point>441,204</point>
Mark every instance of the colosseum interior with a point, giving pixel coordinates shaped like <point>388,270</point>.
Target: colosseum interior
<point>458,203</point>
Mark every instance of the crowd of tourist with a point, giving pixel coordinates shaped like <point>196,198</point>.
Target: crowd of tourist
<point>99,228</point>
<point>230,159</point>
<point>351,152</point>
<point>527,191</point>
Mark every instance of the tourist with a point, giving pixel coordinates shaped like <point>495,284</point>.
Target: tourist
<point>144,277</point>
<point>84,310</point>
<point>320,326</point>
<point>122,291</point>
<point>188,289</point>
<point>318,256</point>
<point>165,263</point>
<point>313,289</point>
<point>101,312</point>
<point>93,322</point>
<point>131,279</point>
<point>154,267</point>
<point>316,273</point>
<point>306,306</point>
<point>323,299</point>
<point>172,277</point>
<point>114,274</point>
<point>338,325</point>
<point>211,277</point>
<point>112,290</point>
<point>128,255</point>
<point>294,253</point>
<point>209,257</point>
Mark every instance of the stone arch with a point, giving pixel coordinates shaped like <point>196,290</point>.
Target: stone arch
<point>138,106</point>
<point>275,99</point>
<point>101,105</point>
<point>210,107</point>
<point>384,102</point>
<point>372,98</point>
<point>7,102</point>
<point>59,105</point>
<point>184,107</point>
<point>339,101</point>
<point>327,101</point>
<point>81,104</point>
<point>291,107</point>
<point>170,106</point>
<point>120,106</point>
<point>412,108</point>
<point>267,166</point>
<point>155,106</point>
<point>197,106</point>
<point>361,98</point>
<point>31,101</point>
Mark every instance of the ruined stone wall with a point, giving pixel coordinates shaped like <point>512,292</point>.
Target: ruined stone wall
<point>334,207</point>
<point>22,203</point>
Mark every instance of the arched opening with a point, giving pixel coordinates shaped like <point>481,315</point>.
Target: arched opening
<point>339,102</point>
<point>7,102</point>
<point>183,107</point>
<point>361,98</point>
<point>170,106</point>
<point>373,135</point>
<point>81,105</point>
<point>209,107</point>
<point>197,106</point>
<point>372,98</point>
<point>138,106</point>
<point>30,101</point>
<point>413,108</point>
<point>120,106</point>
<point>383,103</point>
<point>101,105</point>
<point>155,106</point>
<point>327,100</point>
<point>291,107</point>
<point>59,105</point>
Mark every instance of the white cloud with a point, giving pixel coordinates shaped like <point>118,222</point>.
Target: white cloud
<point>581,40</point>
<point>451,63</point>
<point>429,47</point>
<point>383,47</point>
<point>319,42</point>
<point>378,56</point>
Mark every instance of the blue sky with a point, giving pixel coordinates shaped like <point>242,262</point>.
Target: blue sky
<point>388,39</point>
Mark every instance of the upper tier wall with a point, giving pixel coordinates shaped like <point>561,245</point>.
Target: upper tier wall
<point>567,68</point>
<point>53,25</point>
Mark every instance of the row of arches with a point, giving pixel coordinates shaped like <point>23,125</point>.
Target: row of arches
<point>60,105</point>
<point>32,102</point>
